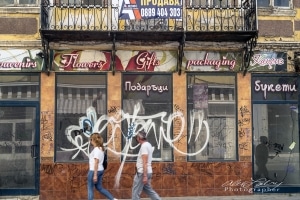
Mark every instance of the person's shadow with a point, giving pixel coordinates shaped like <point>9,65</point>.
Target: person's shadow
<point>261,158</point>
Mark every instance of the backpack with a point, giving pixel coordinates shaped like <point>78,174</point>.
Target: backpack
<point>105,160</point>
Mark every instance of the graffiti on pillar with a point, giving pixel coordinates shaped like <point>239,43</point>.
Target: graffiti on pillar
<point>47,134</point>
<point>244,124</point>
<point>178,126</point>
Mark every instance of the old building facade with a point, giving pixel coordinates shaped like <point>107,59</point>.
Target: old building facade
<point>207,80</point>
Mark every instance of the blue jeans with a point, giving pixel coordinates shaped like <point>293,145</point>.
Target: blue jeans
<point>138,187</point>
<point>97,185</point>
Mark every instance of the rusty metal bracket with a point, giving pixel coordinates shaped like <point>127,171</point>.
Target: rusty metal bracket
<point>248,53</point>
<point>113,55</point>
<point>181,53</point>
<point>46,56</point>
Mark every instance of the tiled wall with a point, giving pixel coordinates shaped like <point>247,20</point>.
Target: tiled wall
<point>66,181</point>
<point>69,181</point>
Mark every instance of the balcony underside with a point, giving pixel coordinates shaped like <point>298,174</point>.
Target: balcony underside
<point>146,36</point>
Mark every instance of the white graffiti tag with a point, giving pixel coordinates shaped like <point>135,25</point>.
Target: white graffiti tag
<point>161,131</point>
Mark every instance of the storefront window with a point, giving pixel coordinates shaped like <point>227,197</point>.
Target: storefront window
<point>147,105</point>
<point>80,102</point>
<point>276,136</point>
<point>275,133</point>
<point>211,117</point>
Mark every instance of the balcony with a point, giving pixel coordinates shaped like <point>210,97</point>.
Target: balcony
<point>146,20</point>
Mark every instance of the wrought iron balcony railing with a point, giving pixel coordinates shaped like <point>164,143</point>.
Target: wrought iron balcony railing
<point>147,15</point>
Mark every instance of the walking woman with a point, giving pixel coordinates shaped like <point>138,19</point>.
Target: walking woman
<point>96,169</point>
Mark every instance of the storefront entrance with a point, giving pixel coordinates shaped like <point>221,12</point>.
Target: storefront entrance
<point>275,134</point>
<point>19,148</point>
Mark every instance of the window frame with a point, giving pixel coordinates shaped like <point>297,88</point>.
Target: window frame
<point>262,127</point>
<point>32,100</point>
<point>272,4</point>
<point>17,4</point>
<point>89,89</point>
<point>276,6</point>
<point>231,119</point>
<point>163,155</point>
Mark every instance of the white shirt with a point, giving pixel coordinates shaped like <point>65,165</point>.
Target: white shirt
<point>146,149</point>
<point>99,154</point>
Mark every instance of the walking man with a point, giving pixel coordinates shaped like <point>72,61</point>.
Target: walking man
<point>142,178</point>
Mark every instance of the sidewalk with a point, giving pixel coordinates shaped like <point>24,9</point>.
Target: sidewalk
<point>248,197</point>
<point>293,196</point>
